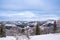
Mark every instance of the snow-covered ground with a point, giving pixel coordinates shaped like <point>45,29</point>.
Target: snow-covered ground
<point>38,37</point>
<point>46,37</point>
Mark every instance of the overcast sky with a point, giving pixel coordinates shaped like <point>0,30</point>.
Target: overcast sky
<point>27,10</point>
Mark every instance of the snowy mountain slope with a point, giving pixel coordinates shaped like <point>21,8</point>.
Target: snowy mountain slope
<point>48,23</point>
<point>38,37</point>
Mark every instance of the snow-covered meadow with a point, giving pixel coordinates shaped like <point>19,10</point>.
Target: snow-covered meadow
<point>38,37</point>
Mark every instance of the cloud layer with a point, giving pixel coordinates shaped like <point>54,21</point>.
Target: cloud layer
<point>29,10</point>
<point>27,16</point>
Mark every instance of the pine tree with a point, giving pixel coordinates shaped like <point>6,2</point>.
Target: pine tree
<point>37,30</point>
<point>2,31</point>
<point>55,27</point>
